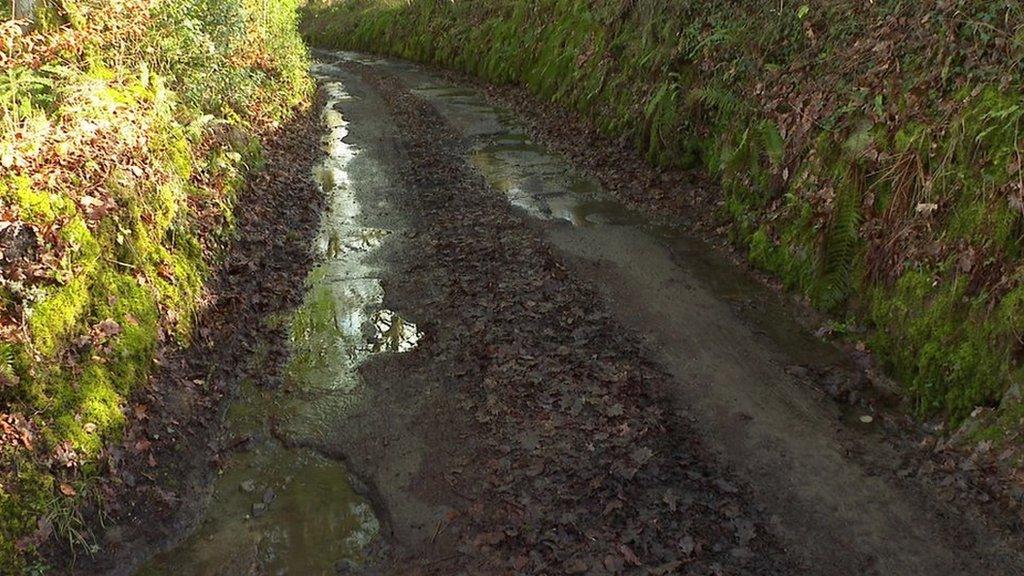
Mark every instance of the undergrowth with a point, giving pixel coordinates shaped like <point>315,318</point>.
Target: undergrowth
<point>869,153</point>
<point>126,128</point>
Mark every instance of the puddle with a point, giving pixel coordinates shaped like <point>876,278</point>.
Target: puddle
<point>280,510</point>
<point>392,334</point>
<point>547,187</point>
<point>542,185</point>
<point>274,510</point>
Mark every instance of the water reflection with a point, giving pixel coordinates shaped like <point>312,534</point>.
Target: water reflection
<point>282,510</point>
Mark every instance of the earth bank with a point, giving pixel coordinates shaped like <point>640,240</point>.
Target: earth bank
<point>127,131</point>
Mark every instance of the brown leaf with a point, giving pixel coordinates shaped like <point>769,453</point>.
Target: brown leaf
<point>488,539</point>
<point>107,328</point>
<point>629,555</point>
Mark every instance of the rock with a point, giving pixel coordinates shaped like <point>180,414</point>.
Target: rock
<point>796,371</point>
<point>687,545</point>
<point>258,509</point>
<point>247,486</point>
<point>269,495</point>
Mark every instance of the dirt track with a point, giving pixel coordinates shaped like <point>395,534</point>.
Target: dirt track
<point>544,319</point>
<point>588,391</point>
<point>539,434</point>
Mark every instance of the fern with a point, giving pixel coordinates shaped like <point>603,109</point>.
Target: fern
<point>7,373</point>
<point>840,246</point>
<point>717,100</point>
<point>722,36</point>
<point>771,141</point>
<point>660,115</point>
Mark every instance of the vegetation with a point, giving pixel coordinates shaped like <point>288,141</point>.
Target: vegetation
<point>869,153</point>
<point>126,128</point>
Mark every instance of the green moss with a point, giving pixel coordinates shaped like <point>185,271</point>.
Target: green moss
<point>84,249</point>
<point>34,205</point>
<point>91,411</point>
<point>948,364</point>
<point>22,503</point>
<point>141,264</point>
<point>57,314</point>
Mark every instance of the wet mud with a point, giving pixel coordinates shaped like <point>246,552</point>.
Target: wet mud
<point>498,367</point>
<point>758,385</point>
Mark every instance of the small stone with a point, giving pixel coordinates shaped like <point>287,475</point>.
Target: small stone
<point>269,496</point>
<point>797,371</point>
<point>258,509</point>
<point>687,545</point>
<point>247,486</point>
<point>867,419</point>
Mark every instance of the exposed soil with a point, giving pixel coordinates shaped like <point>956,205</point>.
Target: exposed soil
<point>158,480</point>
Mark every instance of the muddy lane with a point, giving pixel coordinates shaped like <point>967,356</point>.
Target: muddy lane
<point>740,368</point>
<point>457,401</point>
<point>499,369</point>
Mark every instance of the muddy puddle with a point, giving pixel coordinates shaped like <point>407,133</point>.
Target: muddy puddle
<point>278,508</point>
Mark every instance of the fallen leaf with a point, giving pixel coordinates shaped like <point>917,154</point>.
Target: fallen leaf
<point>629,555</point>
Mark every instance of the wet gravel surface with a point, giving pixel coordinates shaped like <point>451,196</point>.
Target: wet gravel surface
<point>557,441</point>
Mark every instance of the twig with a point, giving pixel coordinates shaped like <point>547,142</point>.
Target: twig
<point>441,525</point>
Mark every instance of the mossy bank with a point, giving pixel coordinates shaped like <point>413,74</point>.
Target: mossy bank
<point>868,153</point>
<point>127,126</point>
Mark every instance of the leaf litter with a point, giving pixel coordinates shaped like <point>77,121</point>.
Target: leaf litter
<point>569,461</point>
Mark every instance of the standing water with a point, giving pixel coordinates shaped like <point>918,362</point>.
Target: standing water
<point>277,508</point>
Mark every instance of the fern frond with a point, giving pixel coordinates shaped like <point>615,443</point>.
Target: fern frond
<point>841,243</point>
<point>718,101</point>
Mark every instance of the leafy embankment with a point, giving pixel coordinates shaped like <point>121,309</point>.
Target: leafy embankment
<point>126,127</point>
<point>869,153</point>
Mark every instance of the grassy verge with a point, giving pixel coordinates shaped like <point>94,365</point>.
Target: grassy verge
<point>869,154</point>
<point>126,127</point>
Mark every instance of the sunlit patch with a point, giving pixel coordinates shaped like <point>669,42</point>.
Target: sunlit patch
<point>285,510</point>
<point>392,334</point>
<point>544,187</point>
